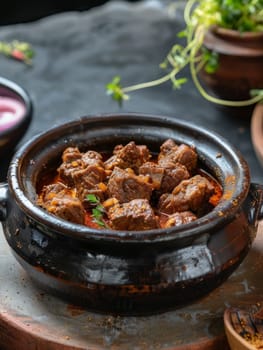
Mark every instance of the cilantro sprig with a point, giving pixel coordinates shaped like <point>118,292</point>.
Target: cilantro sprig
<point>98,211</point>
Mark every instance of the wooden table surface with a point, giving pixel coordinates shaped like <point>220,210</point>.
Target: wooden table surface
<point>30,319</point>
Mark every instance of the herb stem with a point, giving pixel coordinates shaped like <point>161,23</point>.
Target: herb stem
<point>148,84</point>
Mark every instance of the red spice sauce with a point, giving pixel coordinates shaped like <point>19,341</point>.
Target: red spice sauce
<point>52,178</point>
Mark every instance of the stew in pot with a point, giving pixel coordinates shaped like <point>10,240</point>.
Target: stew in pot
<point>131,189</point>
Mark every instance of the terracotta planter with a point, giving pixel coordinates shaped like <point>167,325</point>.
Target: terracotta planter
<point>128,272</point>
<point>240,65</point>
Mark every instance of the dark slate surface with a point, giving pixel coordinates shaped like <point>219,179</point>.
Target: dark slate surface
<point>77,53</point>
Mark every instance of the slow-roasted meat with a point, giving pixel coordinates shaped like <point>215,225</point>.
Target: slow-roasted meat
<point>182,154</point>
<point>92,158</point>
<point>90,181</point>
<point>130,156</point>
<point>135,215</point>
<point>60,200</point>
<point>138,190</point>
<point>50,191</point>
<point>166,147</point>
<point>83,170</point>
<point>164,179</point>
<point>155,172</point>
<point>71,162</point>
<point>70,154</point>
<point>125,186</point>
<point>173,176</point>
<point>74,161</point>
<point>180,218</point>
<point>190,194</point>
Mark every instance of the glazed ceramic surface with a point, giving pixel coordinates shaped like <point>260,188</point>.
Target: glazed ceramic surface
<point>137,272</point>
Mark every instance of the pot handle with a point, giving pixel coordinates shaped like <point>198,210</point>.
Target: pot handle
<point>3,200</point>
<point>256,204</point>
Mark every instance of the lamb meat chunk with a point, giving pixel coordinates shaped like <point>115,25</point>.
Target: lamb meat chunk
<point>155,172</point>
<point>169,204</point>
<point>70,154</point>
<point>164,179</point>
<point>180,218</point>
<point>166,147</point>
<point>187,156</point>
<point>66,171</point>
<point>61,201</point>
<point>125,185</point>
<point>197,189</point>
<point>69,209</point>
<point>136,215</point>
<point>182,154</point>
<point>173,176</point>
<point>90,181</point>
<point>50,191</point>
<point>71,162</point>
<point>117,149</point>
<point>75,162</point>
<point>92,158</point>
<point>192,194</point>
<point>130,156</point>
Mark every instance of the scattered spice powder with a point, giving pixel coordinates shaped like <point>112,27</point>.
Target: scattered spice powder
<point>255,339</point>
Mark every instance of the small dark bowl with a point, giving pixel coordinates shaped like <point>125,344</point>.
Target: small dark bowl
<point>15,102</point>
<point>120,271</point>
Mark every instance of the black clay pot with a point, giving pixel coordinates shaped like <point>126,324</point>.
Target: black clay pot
<point>129,272</point>
<point>16,101</point>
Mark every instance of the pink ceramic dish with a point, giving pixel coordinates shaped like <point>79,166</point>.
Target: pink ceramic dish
<point>15,114</point>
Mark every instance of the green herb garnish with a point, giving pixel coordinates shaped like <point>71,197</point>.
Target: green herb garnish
<point>98,211</point>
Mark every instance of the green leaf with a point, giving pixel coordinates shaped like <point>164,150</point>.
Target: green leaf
<point>114,89</point>
<point>211,61</point>
<point>97,212</point>
<point>256,92</point>
<point>177,83</point>
<point>98,217</point>
<point>182,34</point>
<point>92,199</point>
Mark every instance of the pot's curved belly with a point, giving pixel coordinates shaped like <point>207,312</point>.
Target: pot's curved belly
<point>131,279</point>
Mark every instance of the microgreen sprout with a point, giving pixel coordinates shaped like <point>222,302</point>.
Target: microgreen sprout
<point>199,15</point>
<point>98,210</point>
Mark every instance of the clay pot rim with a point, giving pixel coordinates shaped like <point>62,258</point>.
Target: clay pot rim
<point>232,33</point>
<point>218,217</point>
<point>233,43</point>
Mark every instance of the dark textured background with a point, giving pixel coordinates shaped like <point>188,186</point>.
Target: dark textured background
<point>77,53</point>
<point>18,11</point>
